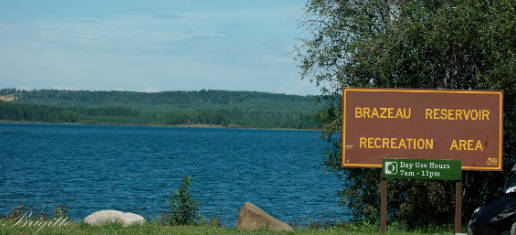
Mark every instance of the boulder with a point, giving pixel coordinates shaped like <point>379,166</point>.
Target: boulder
<point>252,217</point>
<point>102,217</point>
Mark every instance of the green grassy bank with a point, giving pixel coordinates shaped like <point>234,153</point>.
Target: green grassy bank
<point>8,227</point>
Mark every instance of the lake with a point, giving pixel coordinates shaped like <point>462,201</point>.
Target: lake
<point>135,169</point>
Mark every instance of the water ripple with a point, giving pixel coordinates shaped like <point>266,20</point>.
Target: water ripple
<point>90,168</point>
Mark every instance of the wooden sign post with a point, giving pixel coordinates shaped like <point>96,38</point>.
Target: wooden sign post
<point>421,170</point>
<point>420,124</point>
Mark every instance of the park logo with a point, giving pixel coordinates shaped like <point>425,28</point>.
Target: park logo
<point>391,168</point>
<point>492,161</point>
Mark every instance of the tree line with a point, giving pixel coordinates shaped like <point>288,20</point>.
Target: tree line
<point>165,100</point>
<point>218,108</point>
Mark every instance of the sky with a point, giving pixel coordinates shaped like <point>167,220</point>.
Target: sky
<point>152,45</point>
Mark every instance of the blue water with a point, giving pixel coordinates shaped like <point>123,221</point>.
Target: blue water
<point>93,167</point>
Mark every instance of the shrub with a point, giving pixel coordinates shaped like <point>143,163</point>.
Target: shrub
<point>183,209</point>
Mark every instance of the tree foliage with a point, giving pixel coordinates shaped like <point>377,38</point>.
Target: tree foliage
<point>411,44</point>
<point>184,210</point>
<point>221,108</point>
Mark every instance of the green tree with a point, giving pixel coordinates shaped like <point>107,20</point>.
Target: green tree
<point>211,107</point>
<point>184,210</point>
<point>411,44</point>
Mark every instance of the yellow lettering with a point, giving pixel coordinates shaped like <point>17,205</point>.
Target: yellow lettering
<point>420,144</point>
<point>393,143</point>
<point>363,142</point>
<point>402,144</point>
<point>399,114</point>
<point>454,146</point>
<point>429,143</point>
<point>470,145</point>
<point>377,142</point>
<point>385,143</point>
<point>466,145</point>
<point>407,116</point>
<point>466,114</point>
<point>444,115</point>
<point>479,146</point>
<point>462,144</point>
<point>458,113</point>
<point>485,114</point>
<point>366,112</point>
<point>370,142</point>
<point>382,113</point>
<point>450,114</point>
<point>474,114</point>
<point>428,113</point>
<point>384,110</point>
<point>435,114</point>
<point>358,112</point>
<point>410,143</point>
<point>375,113</point>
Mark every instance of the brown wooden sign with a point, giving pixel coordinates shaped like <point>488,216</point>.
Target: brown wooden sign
<point>422,124</point>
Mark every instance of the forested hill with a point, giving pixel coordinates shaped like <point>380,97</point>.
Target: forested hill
<point>204,107</point>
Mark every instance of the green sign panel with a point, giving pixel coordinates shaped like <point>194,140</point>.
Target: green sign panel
<point>421,169</point>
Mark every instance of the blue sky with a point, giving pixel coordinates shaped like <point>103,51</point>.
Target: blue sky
<point>152,45</point>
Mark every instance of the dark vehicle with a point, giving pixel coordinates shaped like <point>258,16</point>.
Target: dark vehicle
<point>499,216</point>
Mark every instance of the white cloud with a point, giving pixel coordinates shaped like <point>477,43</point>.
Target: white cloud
<point>244,50</point>
<point>23,88</point>
<point>67,88</point>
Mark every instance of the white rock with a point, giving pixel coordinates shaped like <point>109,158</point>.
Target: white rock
<point>102,217</point>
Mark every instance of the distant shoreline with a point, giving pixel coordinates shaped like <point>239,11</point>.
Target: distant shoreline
<point>202,109</point>
<point>207,126</point>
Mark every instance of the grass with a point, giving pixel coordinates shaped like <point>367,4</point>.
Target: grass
<point>20,221</point>
<point>8,227</point>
